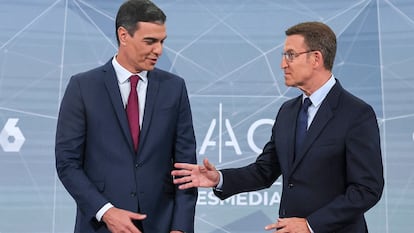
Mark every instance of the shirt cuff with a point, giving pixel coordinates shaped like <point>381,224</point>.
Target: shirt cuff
<point>310,228</point>
<point>102,211</point>
<point>220,184</point>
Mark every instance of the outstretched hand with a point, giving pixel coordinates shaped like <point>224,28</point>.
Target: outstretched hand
<point>193,175</point>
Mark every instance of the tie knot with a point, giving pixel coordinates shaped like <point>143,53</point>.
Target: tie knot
<point>306,103</point>
<point>134,80</point>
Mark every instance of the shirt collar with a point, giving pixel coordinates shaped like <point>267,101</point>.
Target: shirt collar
<point>319,95</point>
<point>123,74</point>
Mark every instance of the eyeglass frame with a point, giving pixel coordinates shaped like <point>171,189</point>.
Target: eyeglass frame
<point>290,55</point>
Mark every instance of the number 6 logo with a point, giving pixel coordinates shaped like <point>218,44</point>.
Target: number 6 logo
<point>11,138</point>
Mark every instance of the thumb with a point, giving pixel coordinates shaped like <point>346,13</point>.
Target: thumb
<point>208,165</point>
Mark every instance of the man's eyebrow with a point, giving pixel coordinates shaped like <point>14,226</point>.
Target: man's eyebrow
<point>154,39</point>
<point>288,51</point>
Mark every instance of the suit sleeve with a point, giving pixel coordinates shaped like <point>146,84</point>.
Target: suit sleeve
<point>364,176</point>
<point>69,151</point>
<point>259,175</point>
<point>185,152</point>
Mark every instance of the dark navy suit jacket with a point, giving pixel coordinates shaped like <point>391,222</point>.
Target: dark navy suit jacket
<point>96,161</point>
<point>337,175</point>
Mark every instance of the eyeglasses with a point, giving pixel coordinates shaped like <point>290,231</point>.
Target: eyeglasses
<point>290,55</point>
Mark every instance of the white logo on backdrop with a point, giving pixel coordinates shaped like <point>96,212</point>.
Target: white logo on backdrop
<point>259,198</point>
<point>11,137</point>
<point>210,141</point>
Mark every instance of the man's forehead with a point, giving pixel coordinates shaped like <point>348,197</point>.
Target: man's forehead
<point>146,29</point>
<point>293,42</point>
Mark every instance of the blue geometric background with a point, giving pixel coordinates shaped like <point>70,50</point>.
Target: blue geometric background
<point>229,54</point>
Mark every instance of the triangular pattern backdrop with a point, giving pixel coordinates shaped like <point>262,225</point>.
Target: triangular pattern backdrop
<point>229,53</point>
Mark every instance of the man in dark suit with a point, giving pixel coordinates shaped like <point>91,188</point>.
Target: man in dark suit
<point>114,155</point>
<point>333,173</point>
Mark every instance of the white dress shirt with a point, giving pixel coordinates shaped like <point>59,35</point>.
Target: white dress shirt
<point>124,86</point>
<point>317,97</point>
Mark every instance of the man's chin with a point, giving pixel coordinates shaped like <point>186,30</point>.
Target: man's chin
<point>289,84</point>
<point>149,67</point>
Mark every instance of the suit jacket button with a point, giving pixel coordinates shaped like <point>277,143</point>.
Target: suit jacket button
<point>290,185</point>
<point>133,194</point>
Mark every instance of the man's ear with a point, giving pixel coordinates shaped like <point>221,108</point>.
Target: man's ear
<point>318,59</point>
<point>122,35</point>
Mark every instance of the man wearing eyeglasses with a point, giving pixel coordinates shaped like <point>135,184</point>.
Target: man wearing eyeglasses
<point>325,143</point>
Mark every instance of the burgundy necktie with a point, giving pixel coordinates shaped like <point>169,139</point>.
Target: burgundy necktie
<point>132,110</point>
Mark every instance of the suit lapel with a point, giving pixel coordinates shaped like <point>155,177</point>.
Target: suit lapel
<point>152,92</point>
<point>291,129</point>
<point>114,93</point>
<point>321,119</point>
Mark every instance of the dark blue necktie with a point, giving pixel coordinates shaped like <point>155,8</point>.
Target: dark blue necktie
<point>302,124</point>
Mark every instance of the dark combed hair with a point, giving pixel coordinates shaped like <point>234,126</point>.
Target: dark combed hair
<point>319,37</point>
<point>133,11</point>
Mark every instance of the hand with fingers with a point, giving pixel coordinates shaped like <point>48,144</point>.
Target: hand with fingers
<point>289,225</point>
<point>193,175</point>
<point>119,220</point>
